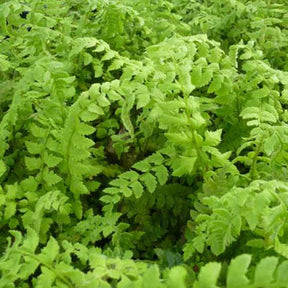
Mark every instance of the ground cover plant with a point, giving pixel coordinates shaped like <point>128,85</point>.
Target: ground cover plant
<point>143,143</point>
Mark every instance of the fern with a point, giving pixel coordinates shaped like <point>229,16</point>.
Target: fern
<point>275,275</point>
<point>257,208</point>
<point>56,269</point>
<point>140,163</point>
<point>55,262</point>
<point>151,172</point>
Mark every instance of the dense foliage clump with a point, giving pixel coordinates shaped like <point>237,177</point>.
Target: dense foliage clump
<point>143,143</point>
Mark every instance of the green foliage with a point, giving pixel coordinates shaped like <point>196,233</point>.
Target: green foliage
<point>268,273</point>
<point>260,208</point>
<point>143,143</point>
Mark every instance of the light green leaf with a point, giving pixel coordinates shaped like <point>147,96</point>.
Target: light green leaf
<point>33,148</point>
<point>108,55</point>
<point>142,99</point>
<point>38,131</point>
<point>130,175</point>
<point>101,47</point>
<point>31,241</point>
<point>50,177</point>
<point>151,277</point>
<point>183,165</point>
<point>95,109</point>
<point>271,143</point>
<point>10,209</point>
<point>216,84</point>
<point>119,182</point>
<point>125,117</point>
<point>87,58</point>
<point>127,192</point>
<point>112,190</point>
<point>45,279</point>
<point>2,167</point>
<point>281,248</point>
<point>110,199</point>
<point>85,129</point>
<point>116,64</point>
<point>50,160</point>
<point>162,174</point>
<point>177,277</point>
<point>149,181</point>
<point>207,76</point>
<point>264,273</point>
<point>236,276</point>
<point>137,189</point>
<point>208,276</point>
<point>142,166</point>
<point>28,268</point>
<point>4,64</point>
<point>196,76</point>
<point>212,138</point>
<point>281,274</point>
<point>49,252</point>
<point>33,163</point>
<point>98,69</point>
<point>78,188</point>
<point>29,184</point>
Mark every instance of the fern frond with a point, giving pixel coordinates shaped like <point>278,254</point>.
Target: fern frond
<point>152,171</point>
<point>268,273</point>
<point>258,207</point>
